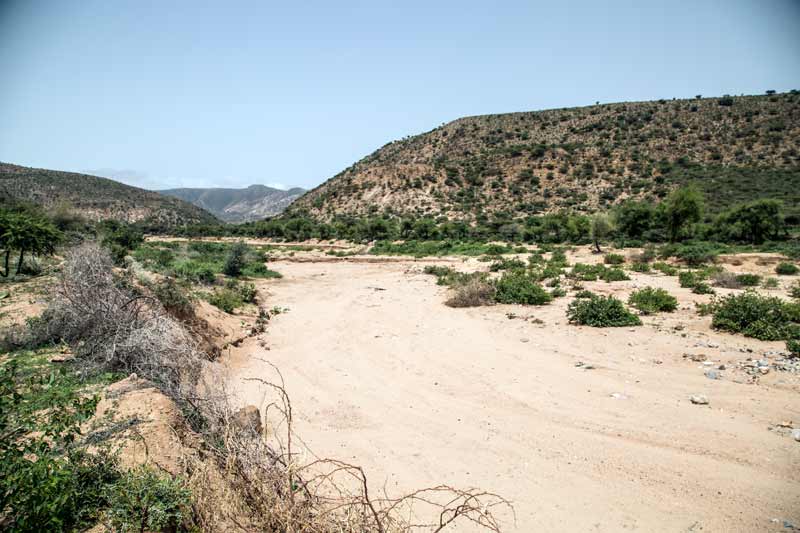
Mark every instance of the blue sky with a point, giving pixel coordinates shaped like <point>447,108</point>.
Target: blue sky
<point>167,93</point>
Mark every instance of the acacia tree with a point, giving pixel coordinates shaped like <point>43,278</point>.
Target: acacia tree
<point>24,232</point>
<point>601,229</point>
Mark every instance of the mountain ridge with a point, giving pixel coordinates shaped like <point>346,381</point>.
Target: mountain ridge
<point>238,205</point>
<point>96,198</point>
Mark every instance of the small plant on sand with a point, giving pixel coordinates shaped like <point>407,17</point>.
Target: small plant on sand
<point>794,291</point>
<point>519,287</point>
<point>787,269</point>
<point>650,300</point>
<point>640,267</point>
<point>613,259</point>
<point>770,283</point>
<point>793,347</point>
<point>601,312</point>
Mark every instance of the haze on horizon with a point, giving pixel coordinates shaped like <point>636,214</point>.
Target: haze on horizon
<point>228,95</point>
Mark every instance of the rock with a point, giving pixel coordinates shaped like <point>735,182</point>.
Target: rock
<point>712,374</point>
<point>588,367</point>
<point>698,399</point>
<point>796,434</point>
<point>696,357</point>
<point>618,396</point>
<point>721,367</point>
<point>524,340</point>
<point>712,344</point>
<point>248,418</point>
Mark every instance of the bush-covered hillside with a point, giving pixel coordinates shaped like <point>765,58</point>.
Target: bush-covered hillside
<point>583,159</point>
<point>95,198</point>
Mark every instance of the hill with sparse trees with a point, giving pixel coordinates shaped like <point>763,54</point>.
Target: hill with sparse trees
<point>735,148</point>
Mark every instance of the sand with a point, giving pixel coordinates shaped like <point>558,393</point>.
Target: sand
<point>383,374</point>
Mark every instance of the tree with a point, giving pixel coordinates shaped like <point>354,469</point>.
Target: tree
<point>634,218</point>
<point>753,222</point>
<point>601,229</point>
<point>236,260</point>
<point>25,232</point>
<point>683,207</point>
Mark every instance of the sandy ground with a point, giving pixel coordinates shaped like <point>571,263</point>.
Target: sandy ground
<point>382,374</point>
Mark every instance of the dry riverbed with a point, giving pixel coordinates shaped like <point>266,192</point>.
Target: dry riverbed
<point>583,429</point>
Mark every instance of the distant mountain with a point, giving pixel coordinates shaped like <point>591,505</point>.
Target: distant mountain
<point>736,148</point>
<point>239,205</point>
<point>96,198</point>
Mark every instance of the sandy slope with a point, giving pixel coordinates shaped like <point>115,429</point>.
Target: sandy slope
<point>420,394</point>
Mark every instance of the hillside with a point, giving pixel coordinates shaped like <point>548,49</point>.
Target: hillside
<point>96,198</point>
<point>239,205</point>
<point>580,159</point>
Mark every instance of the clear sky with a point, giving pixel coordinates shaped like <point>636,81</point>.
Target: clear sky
<point>164,93</point>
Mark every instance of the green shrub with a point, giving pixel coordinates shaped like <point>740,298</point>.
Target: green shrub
<point>753,315</point>
<point>146,500</point>
<point>793,347</point>
<point>247,291</point>
<point>601,312</point>
<point>614,274</point>
<point>794,291</point>
<point>665,268</point>
<point>47,483</point>
<point>506,264</point>
<point>236,260</point>
<point>613,259</point>
<point>519,287</point>
<point>226,299</point>
<point>701,287</point>
<point>584,294</point>
<point>650,300</point>
<point>558,258</point>
<point>195,271</point>
<point>689,278</point>
<point>174,298</point>
<point>640,267</point>
<point>770,283</point>
<point>259,270</point>
<point>584,272</point>
<point>558,292</point>
<point>786,269</point>
<point>748,280</point>
<point>693,254</point>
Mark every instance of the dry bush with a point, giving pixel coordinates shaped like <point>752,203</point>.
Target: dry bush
<point>473,293</point>
<point>726,280</point>
<point>112,326</point>
<point>270,488</point>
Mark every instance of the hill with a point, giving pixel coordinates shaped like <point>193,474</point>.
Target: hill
<point>239,205</point>
<point>579,159</point>
<point>96,198</point>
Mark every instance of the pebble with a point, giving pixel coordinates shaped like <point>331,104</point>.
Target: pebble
<point>618,396</point>
<point>712,374</point>
<point>796,434</point>
<point>698,399</point>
